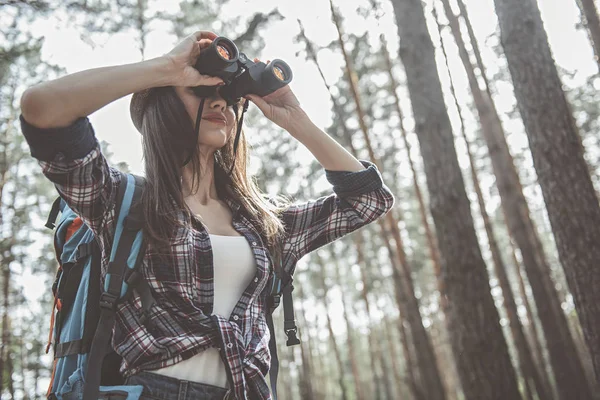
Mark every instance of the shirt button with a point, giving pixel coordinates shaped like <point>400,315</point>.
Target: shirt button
<point>253,243</point>
<point>235,317</point>
<point>229,345</point>
<point>255,279</point>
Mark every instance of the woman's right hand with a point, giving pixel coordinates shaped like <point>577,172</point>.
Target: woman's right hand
<point>183,58</point>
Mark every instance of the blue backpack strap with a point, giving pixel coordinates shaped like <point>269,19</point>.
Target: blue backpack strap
<point>278,290</point>
<point>127,232</point>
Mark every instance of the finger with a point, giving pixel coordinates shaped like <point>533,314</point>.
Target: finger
<point>260,103</point>
<point>204,43</point>
<point>256,60</point>
<point>204,35</point>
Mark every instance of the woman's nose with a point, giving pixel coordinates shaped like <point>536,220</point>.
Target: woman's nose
<point>216,101</point>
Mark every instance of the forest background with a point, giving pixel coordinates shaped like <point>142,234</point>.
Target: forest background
<point>482,116</point>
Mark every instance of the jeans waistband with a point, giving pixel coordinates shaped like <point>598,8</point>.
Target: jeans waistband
<point>162,387</point>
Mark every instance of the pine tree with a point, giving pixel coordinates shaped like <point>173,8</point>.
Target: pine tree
<point>481,352</point>
<point>555,143</point>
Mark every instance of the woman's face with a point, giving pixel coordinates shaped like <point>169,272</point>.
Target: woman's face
<point>218,120</point>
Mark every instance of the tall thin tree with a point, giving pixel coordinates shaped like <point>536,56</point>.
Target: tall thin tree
<point>481,352</point>
<point>563,355</point>
<point>557,152</point>
<point>589,16</point>
<point>427,363</point>
<point>531,376</point>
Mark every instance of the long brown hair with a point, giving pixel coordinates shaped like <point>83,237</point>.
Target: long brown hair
<point>167,133</point>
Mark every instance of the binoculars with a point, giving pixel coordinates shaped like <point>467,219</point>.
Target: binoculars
<point>241,75</point>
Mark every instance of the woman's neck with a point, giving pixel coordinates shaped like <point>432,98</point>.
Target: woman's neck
<point>205,189</point>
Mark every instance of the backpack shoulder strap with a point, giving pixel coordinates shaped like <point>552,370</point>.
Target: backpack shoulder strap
<point>128,235</point>
<point>56,207</point>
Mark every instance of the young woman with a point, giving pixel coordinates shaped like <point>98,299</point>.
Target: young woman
<point>214,238</point>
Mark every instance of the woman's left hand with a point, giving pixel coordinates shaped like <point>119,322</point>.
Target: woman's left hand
<point>282,106</point>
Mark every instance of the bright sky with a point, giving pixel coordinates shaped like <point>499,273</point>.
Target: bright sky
<point>64,46</point>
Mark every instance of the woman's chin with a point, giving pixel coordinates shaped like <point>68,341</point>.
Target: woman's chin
<point>213,139</point>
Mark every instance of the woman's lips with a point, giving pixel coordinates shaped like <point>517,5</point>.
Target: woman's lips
<point>218,121</point>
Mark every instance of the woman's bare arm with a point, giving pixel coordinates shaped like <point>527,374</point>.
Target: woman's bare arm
<point>60,102</point>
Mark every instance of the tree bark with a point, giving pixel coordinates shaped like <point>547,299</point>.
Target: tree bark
<point>563,175</point>
<point>564,357</point>
<point>528,369</point>
<point>481,352</point>
<point>589,16</point>
<point>433,248</point>
<point>428,369</point>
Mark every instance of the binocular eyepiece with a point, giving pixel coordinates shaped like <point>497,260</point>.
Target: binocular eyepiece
<point>241,75</point>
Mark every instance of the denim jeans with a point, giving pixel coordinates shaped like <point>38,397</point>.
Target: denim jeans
<point>159,387</point>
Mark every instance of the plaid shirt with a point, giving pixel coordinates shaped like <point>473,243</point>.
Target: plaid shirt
<point>183,289</point>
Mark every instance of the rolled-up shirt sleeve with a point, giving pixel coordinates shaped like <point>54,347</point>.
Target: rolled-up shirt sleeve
<point>71,158</point>
<point>358,199</point>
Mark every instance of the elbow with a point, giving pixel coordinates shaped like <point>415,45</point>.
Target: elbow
<point>35,108</point>
<point>385,202</point>
<point>31,107</point>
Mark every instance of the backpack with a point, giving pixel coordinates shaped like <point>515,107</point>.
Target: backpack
<point>85,366</point>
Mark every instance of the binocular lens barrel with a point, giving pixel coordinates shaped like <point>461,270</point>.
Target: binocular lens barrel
<point>277,74</point>
<point>215,60</point>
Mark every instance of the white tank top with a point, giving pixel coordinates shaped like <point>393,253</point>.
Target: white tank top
<point>234,268</point>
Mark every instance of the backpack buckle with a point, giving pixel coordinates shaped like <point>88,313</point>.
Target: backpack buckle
<point>108,301</point>
<point>292,338</point>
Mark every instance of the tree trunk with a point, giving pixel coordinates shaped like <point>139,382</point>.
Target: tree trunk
<point>560,342</point>
<point>5,347</point>
<point>36,374</point>
<point>385,370</point>
<point>336,347</point>
<point>589,16</point>
<point>429,372</point>
<point>308,375</point>
<point>481,352</point>
<point>426,364</point>
<point>394,357</point>
<point>528,368</point>
<point>569,195</point>
<point>433,248</point>
<point>533,325</point>
<point>10,375</point>
<point>349,329</point>
<point>316,368</point>
<point>400,297</point>
<point>323,391</point>
<point>22,366</point>
<point>373,344</point>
